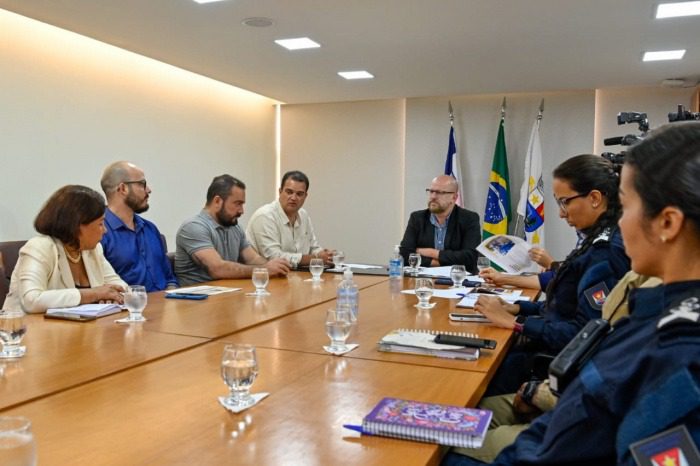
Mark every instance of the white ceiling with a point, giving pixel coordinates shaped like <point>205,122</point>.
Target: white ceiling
<point>413,47</point>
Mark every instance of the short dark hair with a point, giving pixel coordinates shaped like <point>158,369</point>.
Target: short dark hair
<point>295,175</point>
<point>666,169</point>
<point>67,209</point>
<point>221,186</point>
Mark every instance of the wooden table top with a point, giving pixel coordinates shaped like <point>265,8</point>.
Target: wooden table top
<point>382,308</point>
<point>223,314</point>
<point>62,354</point>
<point>166,412</point>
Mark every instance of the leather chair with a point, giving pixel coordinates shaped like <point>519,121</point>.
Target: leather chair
<point>4,281</point>
<point>10,254</point>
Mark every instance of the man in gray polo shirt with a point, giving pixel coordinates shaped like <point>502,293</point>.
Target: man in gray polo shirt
<point>211,245</point>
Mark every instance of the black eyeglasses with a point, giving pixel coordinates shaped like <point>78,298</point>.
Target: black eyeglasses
<point>436,192</point>
<point>141,182</point>
<point>563,202</point>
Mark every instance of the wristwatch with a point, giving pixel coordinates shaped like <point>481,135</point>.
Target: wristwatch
<point>519,323</point>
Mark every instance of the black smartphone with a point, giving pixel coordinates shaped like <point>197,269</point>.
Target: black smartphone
<point>465,341</point>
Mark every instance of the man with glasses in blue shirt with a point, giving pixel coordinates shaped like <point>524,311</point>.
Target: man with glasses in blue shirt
<point>444,233</point>
<point>132,244</point>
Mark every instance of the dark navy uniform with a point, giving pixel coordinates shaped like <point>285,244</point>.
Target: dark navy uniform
<point>644,379</point>
<point>576,297</point>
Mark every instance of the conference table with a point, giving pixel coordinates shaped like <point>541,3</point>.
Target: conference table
<point>106,393</point>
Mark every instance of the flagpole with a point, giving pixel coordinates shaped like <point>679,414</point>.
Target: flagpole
<point>503,109</point>
<point>452,115</point>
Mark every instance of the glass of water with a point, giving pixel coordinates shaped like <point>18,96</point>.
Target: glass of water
<point>135,299</point>
<point>413,262</point>
<point>16,441</point>
<point>338,324</point>
<point>239,368</point>
<point>12,330</point>
<point>482,263</point>
<point>458,273</point>
<point>338,260</point>
<point>316,269</point>
<point>261,277</point>
<point>424,291</point>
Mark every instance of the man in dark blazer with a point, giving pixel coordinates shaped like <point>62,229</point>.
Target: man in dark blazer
<point>444,233</point>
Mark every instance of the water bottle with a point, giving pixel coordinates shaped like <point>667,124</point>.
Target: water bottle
<point>348,294</point>
<point>396,264</point>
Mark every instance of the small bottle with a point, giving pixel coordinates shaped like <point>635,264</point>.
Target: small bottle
<point>348,294</point>
<point>396,264</point>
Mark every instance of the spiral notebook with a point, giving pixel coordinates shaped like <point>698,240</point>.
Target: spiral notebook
<point>428,422</point>
<point>422,342</point>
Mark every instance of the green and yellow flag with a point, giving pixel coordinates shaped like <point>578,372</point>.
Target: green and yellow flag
<point>497,213</point>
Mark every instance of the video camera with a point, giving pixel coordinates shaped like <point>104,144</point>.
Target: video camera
<point>683,115</point>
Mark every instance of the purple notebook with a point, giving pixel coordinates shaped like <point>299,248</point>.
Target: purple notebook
<point>428,422</point>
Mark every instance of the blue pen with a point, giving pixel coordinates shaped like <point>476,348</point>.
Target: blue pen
<point>356,429</point>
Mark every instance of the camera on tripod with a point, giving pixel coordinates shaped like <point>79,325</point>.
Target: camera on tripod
<point>683,115</point>
<point>624,118</point>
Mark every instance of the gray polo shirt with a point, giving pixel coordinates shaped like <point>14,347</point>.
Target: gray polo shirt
<point>202,232</point>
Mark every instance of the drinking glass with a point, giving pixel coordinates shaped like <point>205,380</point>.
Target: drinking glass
<point>261,277</point>
<point>316,269</point>
<point>482,263</point>
<point>424,291</point>
<point>239,368</point>
<point>413,261</point>
<point>12,330</point>
<point>135,299</point>
<point>338,324</point>
<point>16,441</point>
<point>458,273</point>
<point>338,260</point>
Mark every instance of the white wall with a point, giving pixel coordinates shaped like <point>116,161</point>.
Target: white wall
<point>71,105</point>
<point>353,155</point>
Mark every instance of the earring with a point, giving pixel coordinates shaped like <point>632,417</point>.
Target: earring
<point>663,238</point>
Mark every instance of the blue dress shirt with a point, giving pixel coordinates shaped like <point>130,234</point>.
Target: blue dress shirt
<point>138,256</point>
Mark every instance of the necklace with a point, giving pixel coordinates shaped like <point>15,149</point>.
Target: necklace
<point>74,260</point>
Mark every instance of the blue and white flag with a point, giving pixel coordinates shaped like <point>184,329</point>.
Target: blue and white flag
<point>452,165</point>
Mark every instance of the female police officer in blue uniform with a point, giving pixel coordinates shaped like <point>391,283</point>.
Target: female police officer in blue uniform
<point>586,189</point>
<point>645,376</point>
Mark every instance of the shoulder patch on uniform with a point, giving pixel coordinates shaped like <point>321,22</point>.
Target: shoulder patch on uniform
<point>670,447</point>
<point>687,311</point>
<point>603,236</point>
<point>596,295</point>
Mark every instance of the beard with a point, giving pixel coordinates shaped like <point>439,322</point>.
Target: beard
<point>134,204</point>
<point>224,219</point>
<point>435,208</point>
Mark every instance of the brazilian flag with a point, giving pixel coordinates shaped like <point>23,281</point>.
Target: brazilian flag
<point>497,213</point>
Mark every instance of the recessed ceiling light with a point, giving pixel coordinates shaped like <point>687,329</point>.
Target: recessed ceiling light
<point>663,55</point>
<point>355,74</point>
<point>674,10</point>
<point>208,1</point>
<point>298,43</point>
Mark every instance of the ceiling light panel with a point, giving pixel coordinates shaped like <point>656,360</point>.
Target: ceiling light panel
<point>355,74</point>
<point>677,9</point>
<point>298,43</point>
<point>208,1</point>
<point>663,55</point>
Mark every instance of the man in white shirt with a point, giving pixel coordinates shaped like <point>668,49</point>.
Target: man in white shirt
<point>283,229</point>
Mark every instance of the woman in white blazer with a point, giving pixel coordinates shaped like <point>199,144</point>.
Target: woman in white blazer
<point>64,266</point>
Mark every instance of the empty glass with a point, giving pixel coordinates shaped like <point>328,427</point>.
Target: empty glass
<point>316,269</point>
<point>424,291</point>
<point>261,277</point>
<point>413,261</point>
<point>482,263</point>
<point>338,324</point>
<point>12,330</point>
<point>338,260</point>
<point>16,441</point>
<point>458,273</point>
<point>135,299</point>
<point>239,368</point>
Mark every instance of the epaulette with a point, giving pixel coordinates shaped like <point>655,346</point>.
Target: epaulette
<point>684,313</point>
